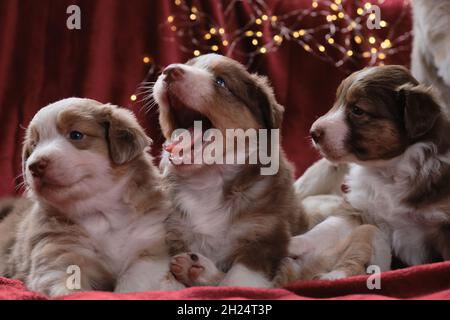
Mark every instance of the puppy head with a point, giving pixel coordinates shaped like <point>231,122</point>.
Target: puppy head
<point>217,91</point>
<point>77,148</point>
<point>378,113</point>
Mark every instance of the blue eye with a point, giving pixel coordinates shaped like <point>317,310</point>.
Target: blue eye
<point>76,135</point>
<point>220,82</point>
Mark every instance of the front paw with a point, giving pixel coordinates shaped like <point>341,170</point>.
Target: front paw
<point>193,269</point>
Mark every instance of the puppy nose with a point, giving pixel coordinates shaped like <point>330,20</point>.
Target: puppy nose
<point>173,73</point>
<point>37,168</point>
<point>317,134</point>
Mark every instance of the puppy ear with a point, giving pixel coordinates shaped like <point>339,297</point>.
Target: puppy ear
<point>126,138</point>
<point>272,112</point>
<point>26,152</point>
<point>29,140</point>
<point>420,109</point>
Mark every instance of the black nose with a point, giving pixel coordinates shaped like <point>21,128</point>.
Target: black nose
<point>37,168</point>
<point>173,73</point>
<point>317,135</point>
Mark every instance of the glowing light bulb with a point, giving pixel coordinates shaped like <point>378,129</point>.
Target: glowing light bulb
<point>358,39</point>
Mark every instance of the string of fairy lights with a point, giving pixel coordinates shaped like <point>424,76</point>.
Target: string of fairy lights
<point>339,35</point>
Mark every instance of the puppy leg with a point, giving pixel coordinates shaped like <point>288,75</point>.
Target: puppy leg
<point>243,276</point>
<point>260,247</point>
<point>193,269</point>
<point>323,177</point>
<point>322,237</point>
<point>365,246</point>
<point>51,275</point>
<point>318,208</point>
<point>381,251</point>
<point>147,274</point>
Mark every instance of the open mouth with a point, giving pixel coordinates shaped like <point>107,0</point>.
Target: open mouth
<point>186,118</point>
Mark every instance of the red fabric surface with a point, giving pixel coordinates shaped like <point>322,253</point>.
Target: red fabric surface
<point>41,61</point>
<point>422,282</point>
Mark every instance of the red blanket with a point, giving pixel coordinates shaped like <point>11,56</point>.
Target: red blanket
<point>423,282</point>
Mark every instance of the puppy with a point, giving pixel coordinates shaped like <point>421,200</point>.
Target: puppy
<point>395,135</point>
<point>98,207</point>
<point>430,62</point>
<point>228,216</point>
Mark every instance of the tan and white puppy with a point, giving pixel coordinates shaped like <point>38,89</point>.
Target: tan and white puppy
<point>395,135</point>
<point>228,215</point>
<point>430,62</point>
<point>98,204</point>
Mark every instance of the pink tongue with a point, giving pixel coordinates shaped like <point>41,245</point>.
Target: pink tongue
<point>169,146</point>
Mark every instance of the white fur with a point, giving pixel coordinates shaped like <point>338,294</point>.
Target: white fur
<point>201,198</point>
<point>378,191</point>
<point>381,251</point>
<point>430,62</point>
<point>197,85</point>
<point>322,237</point>
<point>333,275</point>
<point>240,275</point>
<point>147,274</point>
<point>335,130</point>
<point>323,177</point>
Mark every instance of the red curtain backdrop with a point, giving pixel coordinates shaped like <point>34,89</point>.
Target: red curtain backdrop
<point>41,61</point>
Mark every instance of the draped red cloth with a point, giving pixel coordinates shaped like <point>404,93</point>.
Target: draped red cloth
<point>423,282</point>
<point>41,61</point>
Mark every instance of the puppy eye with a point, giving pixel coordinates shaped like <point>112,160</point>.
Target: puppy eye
<point>220,82</point>
<point>357,111</point>
<point>76,136</point>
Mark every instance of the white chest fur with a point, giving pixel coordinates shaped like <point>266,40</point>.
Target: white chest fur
<point>379,193</point>
<point>121,236</point>
<point>208,215</point>
<point>119,233</point>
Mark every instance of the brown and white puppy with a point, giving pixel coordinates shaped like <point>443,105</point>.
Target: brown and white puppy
<point>397,138</point>
<point>98,204</point>
<point>430,61</point>
<point>230,214</point>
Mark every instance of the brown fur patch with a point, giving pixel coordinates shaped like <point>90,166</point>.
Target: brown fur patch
<point>264,210</point>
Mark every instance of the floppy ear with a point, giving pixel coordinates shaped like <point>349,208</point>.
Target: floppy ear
<point>126,138</point>
<point>27,147</point>
<point>272,112</point>
<point>421,109</point>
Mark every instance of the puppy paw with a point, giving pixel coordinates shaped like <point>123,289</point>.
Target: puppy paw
<point>193,269</point>
<point>333,275</point>
<point>299,247</point>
